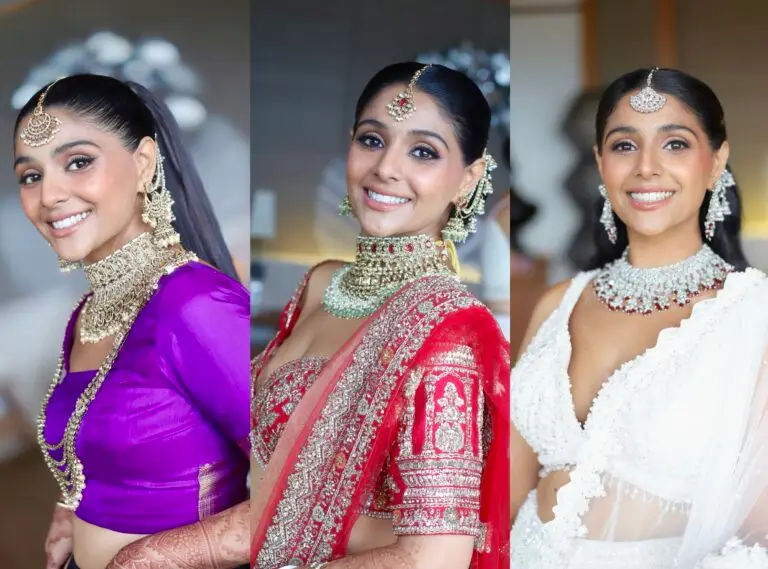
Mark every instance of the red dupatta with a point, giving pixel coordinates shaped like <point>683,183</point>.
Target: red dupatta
<point>333,446</point>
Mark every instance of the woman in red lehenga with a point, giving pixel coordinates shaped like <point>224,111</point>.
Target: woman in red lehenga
<point>380,410</point>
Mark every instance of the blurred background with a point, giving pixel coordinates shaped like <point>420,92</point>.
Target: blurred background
<point>563,53</point>
<point>197,58</point>
<point>311,60</point>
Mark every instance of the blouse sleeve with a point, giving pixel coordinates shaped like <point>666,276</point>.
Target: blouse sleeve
<point>435,468</point>
<point>206,345</point>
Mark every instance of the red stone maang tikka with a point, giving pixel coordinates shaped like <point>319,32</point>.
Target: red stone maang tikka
<point>402,106</point>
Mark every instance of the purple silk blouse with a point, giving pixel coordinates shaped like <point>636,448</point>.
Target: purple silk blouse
<point>165,441</point>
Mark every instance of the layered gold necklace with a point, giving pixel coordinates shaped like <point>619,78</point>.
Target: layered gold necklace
<point>121,285</point>
<point>382,266</point>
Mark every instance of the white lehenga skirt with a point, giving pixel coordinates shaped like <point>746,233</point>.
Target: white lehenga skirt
<point>529,543</point>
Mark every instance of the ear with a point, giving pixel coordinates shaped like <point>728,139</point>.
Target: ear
<point>472,175</point>
<point>598,160</point>
<point>145,157</point>
<point>719,163</point>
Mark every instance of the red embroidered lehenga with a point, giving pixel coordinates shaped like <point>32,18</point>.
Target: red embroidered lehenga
<point>409,420</point>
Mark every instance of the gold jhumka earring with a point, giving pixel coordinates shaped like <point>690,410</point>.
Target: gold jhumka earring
<point>157,209</point>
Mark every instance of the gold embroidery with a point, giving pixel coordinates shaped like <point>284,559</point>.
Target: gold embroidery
<point>404,329</point>
<point>208,476</point>
<point>449,436</point>
<point>441,480</point>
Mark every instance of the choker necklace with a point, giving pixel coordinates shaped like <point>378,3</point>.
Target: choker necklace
<point>381,267</point>
<point>119,286</point>
<point>633,290</point>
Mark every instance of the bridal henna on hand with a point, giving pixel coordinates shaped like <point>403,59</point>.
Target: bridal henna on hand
<point>58,542</point>
<point>218,542</point>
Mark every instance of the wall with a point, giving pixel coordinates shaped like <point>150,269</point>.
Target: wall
<point>545,54</point>
<point>311,59</point>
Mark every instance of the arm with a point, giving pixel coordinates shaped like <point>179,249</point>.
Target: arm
<point>524,465</point>
<point>434,470</point>
<point>412,552</point>
<point>58,542</point>
<point>221,541</point>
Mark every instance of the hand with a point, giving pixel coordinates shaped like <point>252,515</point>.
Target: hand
<point>58,543</point>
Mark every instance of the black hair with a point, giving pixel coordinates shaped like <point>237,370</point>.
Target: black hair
<point>702,101</point>
<point>460,99</point>
<point>132,112</point>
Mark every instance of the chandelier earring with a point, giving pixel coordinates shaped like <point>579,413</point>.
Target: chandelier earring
<point>157,210</point>
<point>718,204</point>
<point>606,217</point>
<point>463,219</point>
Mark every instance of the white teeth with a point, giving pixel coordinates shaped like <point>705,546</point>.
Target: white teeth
<point>650,197</point>
<point>386,199</point>
<point>70,221</point>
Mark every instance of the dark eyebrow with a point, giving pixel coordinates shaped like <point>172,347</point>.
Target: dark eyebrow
<point>665,128</point>
<point>58,150</point>
<point>418,132</point>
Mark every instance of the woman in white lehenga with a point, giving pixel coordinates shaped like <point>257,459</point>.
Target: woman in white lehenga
<point>640,404</point>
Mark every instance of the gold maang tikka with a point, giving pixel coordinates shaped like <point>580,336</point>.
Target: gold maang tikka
<point>42,126</point>
<point>402,106</point>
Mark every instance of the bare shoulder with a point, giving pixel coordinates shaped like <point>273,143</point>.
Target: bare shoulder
<point>319,279</point>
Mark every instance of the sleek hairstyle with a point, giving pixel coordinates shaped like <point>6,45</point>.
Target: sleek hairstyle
<point>702,102</point>
<point>132,112</point>
<point>459,98</point>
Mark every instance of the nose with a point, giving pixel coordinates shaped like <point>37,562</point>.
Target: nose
<point>52,192</point>
<point>389,165</point>
<point>648,163</point>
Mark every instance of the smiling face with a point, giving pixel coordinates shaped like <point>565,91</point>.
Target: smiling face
<point>402,177</point>
<point>657,168</point>
<point>82,190</point>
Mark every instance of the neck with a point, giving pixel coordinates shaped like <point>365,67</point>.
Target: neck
<point>661,250</point>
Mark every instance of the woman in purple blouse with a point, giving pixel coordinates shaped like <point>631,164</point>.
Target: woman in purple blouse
<point>146,422</point>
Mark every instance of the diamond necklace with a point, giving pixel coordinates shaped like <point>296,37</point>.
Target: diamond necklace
<point>381,267</point>
<point>68,471</point>
<point>635,290</point>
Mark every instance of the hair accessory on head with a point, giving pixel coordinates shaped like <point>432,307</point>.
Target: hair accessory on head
<point>42,126</point>
<point>648,100</point>
<point>463,221</point>
<point>402,105</point>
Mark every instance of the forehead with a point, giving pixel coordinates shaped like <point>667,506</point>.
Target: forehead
<point>73,127</point>
<point>427,113</point>
<point>673,112</point>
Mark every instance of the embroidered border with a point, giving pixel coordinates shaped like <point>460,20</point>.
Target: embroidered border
<point>307,522</point>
